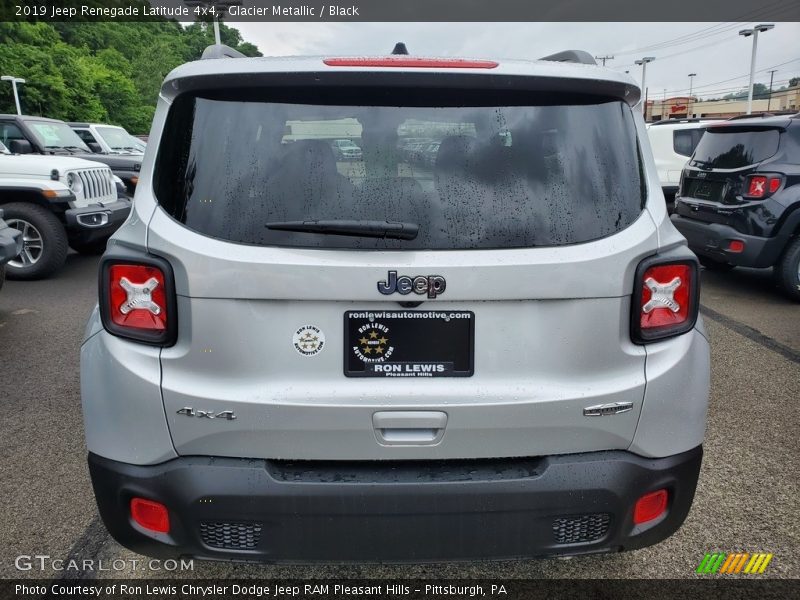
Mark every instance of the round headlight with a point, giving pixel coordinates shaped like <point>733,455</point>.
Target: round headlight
<point>74,183</point>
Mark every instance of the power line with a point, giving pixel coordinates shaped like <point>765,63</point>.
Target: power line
<point>780,6</point>
<point>707,85</point>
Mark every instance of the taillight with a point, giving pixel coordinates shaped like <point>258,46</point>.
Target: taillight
<point>758,187</point>
<point>137,300</point>
<point>665,299</point>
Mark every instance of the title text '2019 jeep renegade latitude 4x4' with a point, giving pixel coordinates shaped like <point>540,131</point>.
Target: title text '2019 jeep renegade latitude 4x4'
<point>302,359</point>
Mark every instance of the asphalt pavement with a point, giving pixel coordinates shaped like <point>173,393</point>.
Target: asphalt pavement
<point>747,499</point>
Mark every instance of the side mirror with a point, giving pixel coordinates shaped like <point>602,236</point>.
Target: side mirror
<point>95,147</point>
<point>20,146</point>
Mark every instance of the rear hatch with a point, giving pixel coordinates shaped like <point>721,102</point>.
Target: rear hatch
<point>716,176</point>
<point>382,307</point>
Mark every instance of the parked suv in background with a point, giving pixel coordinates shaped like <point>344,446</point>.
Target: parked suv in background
<point>24,134</point>
<point>345,150</point>
<point>739,198</point>
<point>672,142</point>
<point>300,359</point>
<point>56,202</point>
<point>108,139</point>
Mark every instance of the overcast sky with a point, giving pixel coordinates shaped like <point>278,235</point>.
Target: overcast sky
<point>715,51</point>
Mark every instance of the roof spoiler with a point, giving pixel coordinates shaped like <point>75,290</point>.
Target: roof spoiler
<point>221,51</point>
<point>573,56</point>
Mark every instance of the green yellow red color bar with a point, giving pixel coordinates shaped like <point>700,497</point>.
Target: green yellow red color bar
<point>734,562</point>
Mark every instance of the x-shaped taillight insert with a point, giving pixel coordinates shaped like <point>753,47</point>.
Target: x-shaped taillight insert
<point>140,296</point>
<point>662,295</point>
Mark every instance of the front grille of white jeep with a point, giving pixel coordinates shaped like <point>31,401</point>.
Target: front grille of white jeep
<point>230,536</point>
<point>97,184</point>
<point>581,528</point>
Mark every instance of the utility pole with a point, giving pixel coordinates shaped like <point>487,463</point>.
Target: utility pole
<point>761,28</point>
<point>689,104</point>
<point>212,6</point>
<point>604,59</point>
<point>643,61</point>
<point>769,98</point>
<point>14,81</point>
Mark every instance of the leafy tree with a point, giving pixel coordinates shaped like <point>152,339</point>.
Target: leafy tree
<point>100,71</point>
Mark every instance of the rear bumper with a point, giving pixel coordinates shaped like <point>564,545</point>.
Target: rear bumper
<point>417,511</point>
<point>712,239</point>
<point>80,225</point>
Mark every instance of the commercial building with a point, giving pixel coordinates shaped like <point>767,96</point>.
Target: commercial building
<point>679,107</point>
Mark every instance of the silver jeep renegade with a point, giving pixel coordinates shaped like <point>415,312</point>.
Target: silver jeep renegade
<point>475,336</point>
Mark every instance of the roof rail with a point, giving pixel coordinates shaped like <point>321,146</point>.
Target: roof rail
<point>763,115</point>
<point>574,56</point>
<point>221,51</point>
<point>692,120</point>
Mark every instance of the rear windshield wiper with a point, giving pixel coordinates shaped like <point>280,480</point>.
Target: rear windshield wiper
<point>374,229</point>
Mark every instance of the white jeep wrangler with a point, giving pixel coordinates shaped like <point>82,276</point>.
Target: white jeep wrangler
<point>56,202</point>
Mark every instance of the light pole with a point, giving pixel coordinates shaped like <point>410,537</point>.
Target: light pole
<point>643,62</point>
<point>689,104</point>
<point>210,5</point>
<point>747,33</point>
<point>14,81</point>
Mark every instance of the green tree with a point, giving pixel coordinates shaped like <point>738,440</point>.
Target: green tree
<point>100,71</point>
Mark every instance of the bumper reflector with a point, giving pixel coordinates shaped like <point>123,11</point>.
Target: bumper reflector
<point>736,246</point>
<point>150,515</point>
<point>650,506</point>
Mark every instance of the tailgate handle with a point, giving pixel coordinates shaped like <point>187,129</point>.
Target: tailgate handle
<point>409,427</point>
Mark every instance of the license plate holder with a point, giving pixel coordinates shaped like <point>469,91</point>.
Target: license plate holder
<point>409,343</point>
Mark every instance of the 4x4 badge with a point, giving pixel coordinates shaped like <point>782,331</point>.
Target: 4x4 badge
<point>206,414</point>
<point>432,285</point>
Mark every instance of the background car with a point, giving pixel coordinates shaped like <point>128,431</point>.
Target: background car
<point>24,134</point>
<point>57,202</point>
<point>739,198</point>
<point>346,150</point>
<point>108,139</point>
<point>673,141</point>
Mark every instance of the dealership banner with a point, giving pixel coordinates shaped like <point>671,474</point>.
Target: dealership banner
<point>400,11</point>
<point>406,589</point>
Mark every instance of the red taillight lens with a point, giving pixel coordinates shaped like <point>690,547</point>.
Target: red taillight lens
<point>137,297</point>
<point>736,246</point>
<point>774,184</point>
<point>762,186</point>
<point>665,295</point>
<point>665,299</point>
<point>150,515</point>
<point>411,61</point>
<point>757,187</point>
<point>650,506</point>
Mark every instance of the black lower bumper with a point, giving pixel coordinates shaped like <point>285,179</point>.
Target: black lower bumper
<point>244,509</point>
<point>10,242</point>
<point>712,240</point>
<point>96,221</point>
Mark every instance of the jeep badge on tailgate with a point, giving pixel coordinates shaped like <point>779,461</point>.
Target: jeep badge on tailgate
<point>433,285</point>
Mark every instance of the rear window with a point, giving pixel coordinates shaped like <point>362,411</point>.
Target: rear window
<point>734,148</point>
<point>685,141</point>
<point>506,175</point>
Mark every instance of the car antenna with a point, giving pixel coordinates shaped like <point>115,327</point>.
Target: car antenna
<point>400,48</point>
